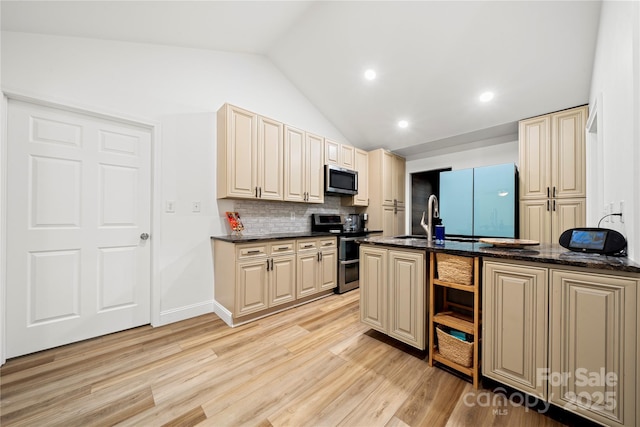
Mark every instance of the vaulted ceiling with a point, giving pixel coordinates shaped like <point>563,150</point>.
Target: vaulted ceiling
<point>432,58</point>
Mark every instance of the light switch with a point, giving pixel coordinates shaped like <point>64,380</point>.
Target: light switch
<point>170,206</point>
<point>195,207</point>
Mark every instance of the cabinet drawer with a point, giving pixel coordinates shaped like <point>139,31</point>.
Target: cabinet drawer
<point>328,243</point>
<point>305,245</point>
<point>282,247</point>
<point>249,251</point>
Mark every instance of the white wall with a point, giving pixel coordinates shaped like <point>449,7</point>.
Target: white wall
<point>615,88</point>
<point>466,158</point>
<point>181,89</point>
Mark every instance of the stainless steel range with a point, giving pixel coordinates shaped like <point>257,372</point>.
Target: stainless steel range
<point>348,228</point>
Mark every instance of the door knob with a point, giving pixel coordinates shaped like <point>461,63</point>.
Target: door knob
<point>144,236</point>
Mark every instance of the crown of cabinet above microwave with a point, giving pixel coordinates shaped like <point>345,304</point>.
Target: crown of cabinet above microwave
<point>340,181</point>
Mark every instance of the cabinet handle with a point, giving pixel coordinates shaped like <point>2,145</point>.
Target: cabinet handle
<point>320,255</point>
<point>554,205</point>
<point>548,206</point>
<point>271,264</point>
<point>282,248</point>
<point>267,265</point>
<point>307,246</point>
<point>327,244</point>
<point>260,192</point>
<point>256,192</point>
<point>548,192</point>
<point>554,191</point>
<point>254,251</point>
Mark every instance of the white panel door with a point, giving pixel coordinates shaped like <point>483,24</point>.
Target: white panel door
<point>78,202</point>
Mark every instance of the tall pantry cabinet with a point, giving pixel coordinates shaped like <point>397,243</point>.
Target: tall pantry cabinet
<point>552,174</point>
<point>386,192</point>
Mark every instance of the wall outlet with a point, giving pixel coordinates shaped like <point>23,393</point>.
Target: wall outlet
<point>195,206</point>
<point>611,210</point>
<point>170,206</point>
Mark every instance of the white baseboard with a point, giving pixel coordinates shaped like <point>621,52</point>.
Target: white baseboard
<point>186,312</point>
<point>223,313</point>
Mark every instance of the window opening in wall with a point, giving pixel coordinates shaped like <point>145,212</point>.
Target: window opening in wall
<point>423,184</point>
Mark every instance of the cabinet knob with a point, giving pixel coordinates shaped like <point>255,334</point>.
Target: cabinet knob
<point>144,236</point>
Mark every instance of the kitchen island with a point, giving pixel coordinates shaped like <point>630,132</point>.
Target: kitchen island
<point>558,325</point>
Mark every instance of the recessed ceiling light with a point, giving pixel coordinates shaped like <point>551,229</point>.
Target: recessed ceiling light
<point>403,124</point>
<point>370,74</point>
<point>486,97</point>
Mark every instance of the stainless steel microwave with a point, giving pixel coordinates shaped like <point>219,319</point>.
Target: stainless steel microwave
<point>340,181</point>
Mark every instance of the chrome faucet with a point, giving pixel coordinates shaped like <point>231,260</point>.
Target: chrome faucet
<point>433,212</point>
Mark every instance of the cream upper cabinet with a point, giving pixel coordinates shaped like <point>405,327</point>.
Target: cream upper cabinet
<point>593,344</point>
<point>250,155</point>
<point>331,152</point>
<point>270,159</point>
<point>314,168</point>
<point>237,152</point>
<point>347,156</point>
<point>392,293</point>
<point>303,165</point>
<point>386,192</point>
<point>515,327</point>
<point>362,167</point>
<point>341,155</point>
<point>552,171</point>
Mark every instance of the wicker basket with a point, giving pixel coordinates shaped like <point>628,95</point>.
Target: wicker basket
<point>455,269</point>
<point>455,349</point>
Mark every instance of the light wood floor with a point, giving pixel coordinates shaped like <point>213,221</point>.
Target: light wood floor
<point>314,365</point>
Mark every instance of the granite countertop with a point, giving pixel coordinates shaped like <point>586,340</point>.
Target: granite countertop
<point>277,236</point>
<point>545,253</point>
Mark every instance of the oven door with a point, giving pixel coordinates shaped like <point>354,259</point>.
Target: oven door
<point>348,275</point>
<point>349,249</point>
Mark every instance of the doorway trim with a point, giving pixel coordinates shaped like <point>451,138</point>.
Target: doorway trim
<point>155,131</point>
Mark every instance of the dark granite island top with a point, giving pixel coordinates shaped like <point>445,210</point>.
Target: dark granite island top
<point>544,253</point>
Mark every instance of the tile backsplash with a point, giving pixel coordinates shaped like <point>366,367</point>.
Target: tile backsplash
<point>263,217</point>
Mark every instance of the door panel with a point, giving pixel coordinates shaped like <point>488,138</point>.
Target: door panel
<point>78,200</point>
<point>373,287</point>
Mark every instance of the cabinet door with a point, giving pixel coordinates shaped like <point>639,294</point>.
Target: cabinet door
<point>389,218</point>
<point>568,153</point>
<point>566,214</point>
<point>515,328</point>
<point>251,287</point>
<point>240,154</point>
<point>314,168</point>
<point>328,269</point>
<point>592,343</point>
<point>534,158</point>
<point>399,224</point>
<point>373,287</point>
<point>407,298</point>
<point>362,166</point>
<point>388,192</point>
<point>294,158</point>
<point>282,280</point>
<point>331,152</point>
<point>398,178</point>
<point>270,159</point>
<point>307,273</point>
<point>535,220</point>
<point>347,156</point>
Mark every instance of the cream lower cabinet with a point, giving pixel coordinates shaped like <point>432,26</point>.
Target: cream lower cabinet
<point>593,346</point>
<point>584,358</point>
<point>393,294</point>
<point>317,266</point>
<point>515,326</point>
<point>251,279</point>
